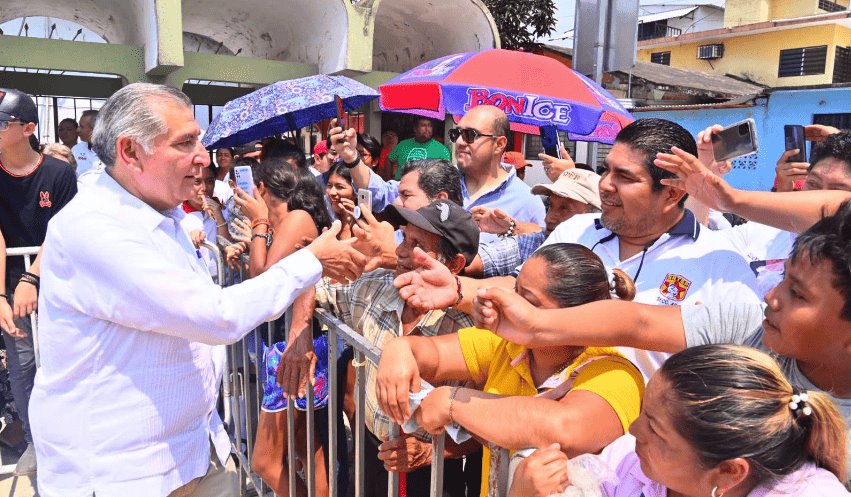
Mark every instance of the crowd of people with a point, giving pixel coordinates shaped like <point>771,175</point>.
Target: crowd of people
<point>645,330</point>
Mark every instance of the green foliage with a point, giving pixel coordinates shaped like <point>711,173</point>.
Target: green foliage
<point>521,22</point>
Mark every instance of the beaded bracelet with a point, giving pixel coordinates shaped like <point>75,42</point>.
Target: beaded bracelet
<point>512,229</point>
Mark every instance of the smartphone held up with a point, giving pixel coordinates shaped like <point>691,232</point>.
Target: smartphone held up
<point>341,113</point>
<point>737,140</point>
<point>793,135</point>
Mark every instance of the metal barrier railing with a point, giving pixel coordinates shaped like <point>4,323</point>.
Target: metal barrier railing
<point>27,253</point>
<point>245,403</point>
<point>241,401</point>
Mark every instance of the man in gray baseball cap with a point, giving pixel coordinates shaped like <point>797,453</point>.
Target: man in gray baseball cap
<point>447,220</point>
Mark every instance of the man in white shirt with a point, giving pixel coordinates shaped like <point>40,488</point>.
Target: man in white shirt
<point>129,316</point>
<point>87,159</point>
<point>644,230</point>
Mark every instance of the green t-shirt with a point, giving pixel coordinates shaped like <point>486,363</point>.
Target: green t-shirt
<point>410,149</point>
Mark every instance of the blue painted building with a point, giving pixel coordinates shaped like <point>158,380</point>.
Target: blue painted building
<point>770,110</point>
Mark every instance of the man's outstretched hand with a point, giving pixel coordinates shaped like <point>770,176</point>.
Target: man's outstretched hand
<point>430,286</point>
<point>340,261</point>
<point>696,179</point>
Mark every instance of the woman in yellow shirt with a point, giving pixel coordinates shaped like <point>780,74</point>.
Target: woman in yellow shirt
<point>580,398</point>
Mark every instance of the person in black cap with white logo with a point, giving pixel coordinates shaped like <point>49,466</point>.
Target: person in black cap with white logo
<point>372,306</point>
<point>35,187</point>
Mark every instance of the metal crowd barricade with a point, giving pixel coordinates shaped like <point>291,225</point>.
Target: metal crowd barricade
<point>244,406</point>
<point>27,253</point>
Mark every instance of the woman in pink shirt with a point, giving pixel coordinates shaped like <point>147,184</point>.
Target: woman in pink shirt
<point>716,420</point>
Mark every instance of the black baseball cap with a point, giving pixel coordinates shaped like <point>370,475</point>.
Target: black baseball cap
<point>444,218</point>
<point>16,104</point>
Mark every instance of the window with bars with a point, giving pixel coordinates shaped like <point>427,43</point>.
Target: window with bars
<point>802,61</point>
<point>663,58</point>
<point>842,65</point>
<point>830,6</point>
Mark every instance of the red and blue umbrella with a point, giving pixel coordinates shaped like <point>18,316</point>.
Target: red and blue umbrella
<point>533,90</point>
<point>284,106</point>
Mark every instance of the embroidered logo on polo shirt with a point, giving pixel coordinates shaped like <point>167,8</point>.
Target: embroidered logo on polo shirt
<point>44,199</point>
<point>675,287</point>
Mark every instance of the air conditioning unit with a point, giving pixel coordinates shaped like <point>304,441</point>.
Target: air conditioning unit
<point>707,52</point>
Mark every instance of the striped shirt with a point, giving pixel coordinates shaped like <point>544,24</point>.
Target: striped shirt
<point>372,307</point>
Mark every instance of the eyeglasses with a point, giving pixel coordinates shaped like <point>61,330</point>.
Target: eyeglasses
<point>4,125</point>
<point>468,134</point>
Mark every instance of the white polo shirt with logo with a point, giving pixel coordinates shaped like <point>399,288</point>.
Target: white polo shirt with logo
<point>687,265</point>
<point>87,159</point>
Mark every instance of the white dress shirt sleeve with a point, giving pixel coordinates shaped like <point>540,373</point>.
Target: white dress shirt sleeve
<point>146,280</point>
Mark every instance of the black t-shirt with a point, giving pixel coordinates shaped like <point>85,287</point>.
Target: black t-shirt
<point>27,203</point>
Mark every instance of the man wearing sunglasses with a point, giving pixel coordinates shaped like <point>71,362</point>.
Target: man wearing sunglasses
<point>34,188</point>
<point>480,141</point>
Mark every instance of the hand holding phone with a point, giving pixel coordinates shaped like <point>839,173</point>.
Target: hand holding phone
<point>364,202</point>
<point>549,140</point>
<point>244,179</point>
<point>735,140</point>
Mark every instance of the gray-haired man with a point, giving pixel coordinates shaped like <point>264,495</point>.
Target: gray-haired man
<point>130,316</point>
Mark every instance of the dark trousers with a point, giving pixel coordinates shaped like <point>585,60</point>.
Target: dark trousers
<point>20,359</point>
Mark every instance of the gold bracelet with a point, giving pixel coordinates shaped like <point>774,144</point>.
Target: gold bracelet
<point>452,395</point>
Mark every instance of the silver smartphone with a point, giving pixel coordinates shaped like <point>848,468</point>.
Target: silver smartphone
<point>244,178</point>
<point>364,202</point>
<point>735,140</point>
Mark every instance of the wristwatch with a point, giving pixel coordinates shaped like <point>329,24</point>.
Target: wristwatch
<point>353,163</point>
<point>265,236</point>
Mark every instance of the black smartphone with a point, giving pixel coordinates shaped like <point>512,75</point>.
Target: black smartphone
<point>735,140</point>
<point>341,114</point>
<point>549,140</point>
<point>794,138</point>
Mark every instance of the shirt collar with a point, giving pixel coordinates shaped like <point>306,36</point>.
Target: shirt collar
<point>499,189</point>
<point>144,215</point>
<point>687,226</point>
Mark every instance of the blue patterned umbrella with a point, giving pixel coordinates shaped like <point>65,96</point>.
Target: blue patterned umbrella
<point>284,106</point>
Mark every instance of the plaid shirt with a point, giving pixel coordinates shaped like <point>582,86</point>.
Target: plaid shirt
<point>372,307</point>
<point>501,257</point>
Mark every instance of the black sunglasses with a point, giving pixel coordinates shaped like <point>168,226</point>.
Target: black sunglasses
<point>468,134</point>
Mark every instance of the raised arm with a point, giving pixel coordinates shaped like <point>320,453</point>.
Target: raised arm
<point>791,211</point>
<point>433,286</point>
<point>600,323</point>
<point>345,142</point>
